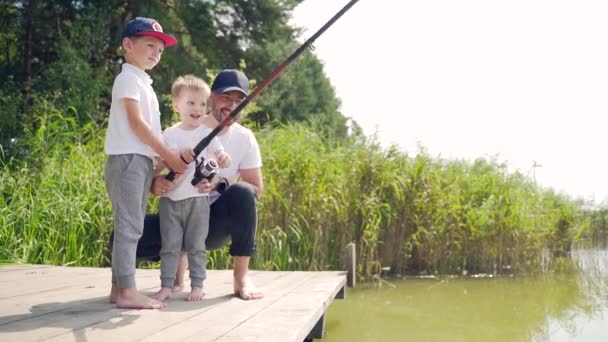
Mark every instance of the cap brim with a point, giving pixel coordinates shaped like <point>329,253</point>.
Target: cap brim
<point>167,39</point>
<point>227,89</point>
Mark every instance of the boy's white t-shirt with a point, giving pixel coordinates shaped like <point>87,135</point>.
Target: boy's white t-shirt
<point>177,138</point>
<point>132,83</point>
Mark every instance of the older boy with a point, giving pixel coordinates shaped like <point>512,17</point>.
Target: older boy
<point>133,140</point>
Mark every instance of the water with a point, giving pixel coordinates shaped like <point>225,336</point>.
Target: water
<point>572,306</point>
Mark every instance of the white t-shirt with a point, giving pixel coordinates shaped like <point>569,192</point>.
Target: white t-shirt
<point>131,83</point>
<point>177,138</point>
<point>240,143</point>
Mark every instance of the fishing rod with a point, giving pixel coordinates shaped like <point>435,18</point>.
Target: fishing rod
<point>307,45</point>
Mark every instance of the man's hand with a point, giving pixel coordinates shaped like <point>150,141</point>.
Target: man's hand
<point>160,185</point>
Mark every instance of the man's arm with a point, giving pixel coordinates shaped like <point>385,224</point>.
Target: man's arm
<point>144,132</point>
<point>254,178</point>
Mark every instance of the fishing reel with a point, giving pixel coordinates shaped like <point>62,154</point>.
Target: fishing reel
<point>205,169</point>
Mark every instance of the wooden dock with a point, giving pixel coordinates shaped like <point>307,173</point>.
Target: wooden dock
<point>50,303</point>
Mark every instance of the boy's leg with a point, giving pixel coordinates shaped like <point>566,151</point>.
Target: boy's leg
<point>195,233</point>
<point>128,178</point>
<point>234,216</point>
<point>182,265</point>
<point>171,232</point>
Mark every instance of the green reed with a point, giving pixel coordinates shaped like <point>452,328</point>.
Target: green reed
<point>54,207</point>
<point>414,214</point>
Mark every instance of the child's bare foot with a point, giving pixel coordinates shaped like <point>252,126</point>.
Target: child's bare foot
<point>178,287</point>
<point>131,299</point>
<point>246,290</point>
<point>163,294</point>
<point>113,294</point>
<point>196,294</point>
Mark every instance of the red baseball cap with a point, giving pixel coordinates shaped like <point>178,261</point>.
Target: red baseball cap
<point>141,26</point>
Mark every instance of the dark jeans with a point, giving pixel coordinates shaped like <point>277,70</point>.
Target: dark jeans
<point>233,218</point>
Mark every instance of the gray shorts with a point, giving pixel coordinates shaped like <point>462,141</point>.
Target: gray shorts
<point>128,178</point>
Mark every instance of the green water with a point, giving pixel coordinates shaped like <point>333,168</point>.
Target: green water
<point>572,306</point>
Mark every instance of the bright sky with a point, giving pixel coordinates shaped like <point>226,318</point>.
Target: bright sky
<point>523,80</point>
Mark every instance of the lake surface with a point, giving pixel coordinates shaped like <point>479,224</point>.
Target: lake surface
<point>572,306</point>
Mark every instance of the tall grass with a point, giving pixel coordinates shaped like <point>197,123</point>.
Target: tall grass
<point>54,207</point>
<point>414,214</point>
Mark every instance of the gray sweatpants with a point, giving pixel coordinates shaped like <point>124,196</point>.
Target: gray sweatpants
<point>128,178</point>
<point>183,225</point>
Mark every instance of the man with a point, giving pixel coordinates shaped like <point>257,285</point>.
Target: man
<point>233,214</point>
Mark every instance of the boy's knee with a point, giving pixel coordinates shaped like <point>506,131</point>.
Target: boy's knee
<point>123,236</point>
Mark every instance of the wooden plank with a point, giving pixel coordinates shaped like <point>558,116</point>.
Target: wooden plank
<point>293,316</point>
<point>64,297</point>
<point>148,322</point>
<point>20,267</point>
<point>212,324</point>
<point>88,311</point>
<point>74,315</point>
<point>50,279</point>
<point>73,305</point>
<point>46,273</point>
<point>59,278</point>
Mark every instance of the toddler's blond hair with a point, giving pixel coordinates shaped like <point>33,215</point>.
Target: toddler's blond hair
<point>189,82</point>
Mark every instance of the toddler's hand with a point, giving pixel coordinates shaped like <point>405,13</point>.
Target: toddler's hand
<point>206,186</point>
<point>223,159</point>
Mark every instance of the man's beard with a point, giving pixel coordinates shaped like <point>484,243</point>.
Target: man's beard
<point>217,115</point>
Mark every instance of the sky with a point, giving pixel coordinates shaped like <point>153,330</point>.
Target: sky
<point>524,81</point>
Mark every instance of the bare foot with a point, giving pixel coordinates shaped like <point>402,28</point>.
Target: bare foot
<point>113,294</point>
<point>196,294</point>
<point>163,294</point>
<point>246,290</point>
<point>178,287</point>
<point>132,299</point>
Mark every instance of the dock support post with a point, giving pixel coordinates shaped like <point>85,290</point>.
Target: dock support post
<point>351,265</point>
<point>319,329</point>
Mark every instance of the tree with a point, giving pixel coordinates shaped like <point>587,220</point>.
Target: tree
<point>65,54</point>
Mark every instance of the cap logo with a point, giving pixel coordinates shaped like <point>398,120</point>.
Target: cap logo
<point>156,27</point>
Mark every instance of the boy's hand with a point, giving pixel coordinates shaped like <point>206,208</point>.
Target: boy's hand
<point>175,162</point>
<point>223,159</point>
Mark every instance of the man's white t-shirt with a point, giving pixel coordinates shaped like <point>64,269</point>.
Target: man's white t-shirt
<point>131,83</point>
<point>177,138</point>
<point>240,143</point>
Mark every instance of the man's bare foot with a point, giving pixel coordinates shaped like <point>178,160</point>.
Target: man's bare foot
<point>246,290</point>
<point>132,299</point>
<point>163,294</point>
<point>196,294</point>
<point>113,294</point>
<point>178,287</point>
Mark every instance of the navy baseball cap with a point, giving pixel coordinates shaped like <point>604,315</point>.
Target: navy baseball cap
<point>230,79</point>
<point>141,26</point>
